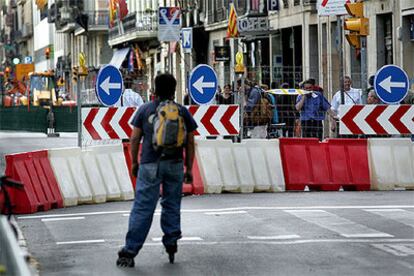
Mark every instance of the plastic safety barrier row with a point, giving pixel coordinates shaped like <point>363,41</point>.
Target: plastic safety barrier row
<point>195,188</point>
<point>95,175</point>
<point>253,165</point>
<point>391,163</point>
<point>325,166</point>
<point>41,190</point>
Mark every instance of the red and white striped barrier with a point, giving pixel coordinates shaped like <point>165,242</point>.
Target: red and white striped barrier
<point>115,123</point>
<point>376,119</point>
<point>216,120</point>
<point>107,123</point>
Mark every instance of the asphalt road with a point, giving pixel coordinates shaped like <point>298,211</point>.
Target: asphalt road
<point>307,233</point>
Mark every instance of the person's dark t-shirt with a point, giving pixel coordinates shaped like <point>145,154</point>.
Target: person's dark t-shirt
<point>222,100</point>
<point>143,120</point>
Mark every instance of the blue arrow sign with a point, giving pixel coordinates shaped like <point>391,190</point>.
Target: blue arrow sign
<point>109,85</point>
<point>203,84</point>
<point>391,84</point>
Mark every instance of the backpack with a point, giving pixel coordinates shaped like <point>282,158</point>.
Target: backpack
<point>169,128</point>
<point>262,113</point>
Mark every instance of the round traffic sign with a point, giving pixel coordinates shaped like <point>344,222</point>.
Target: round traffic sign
<point>391,84</point>
<point>203,84</point>
<point>109,85</point>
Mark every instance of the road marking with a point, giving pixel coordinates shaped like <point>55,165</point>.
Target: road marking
<point>279,237</point>
<point>399,215</point>
<point>287,242</point>
<point>400,250</point>
<point>247,208</point>
<point>59,219</point>
<point>342,226</point>
<point>80,242</point>
<point>73,214</point>
<point>182,239</point>
<point>155,214</point>
<point>226,213</point>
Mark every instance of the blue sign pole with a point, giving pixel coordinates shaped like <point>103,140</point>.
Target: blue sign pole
<point>391,84</point>
<point>203,84</point>
<point>109,85</point>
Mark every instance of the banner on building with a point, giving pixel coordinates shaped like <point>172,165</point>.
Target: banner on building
<point>332,7</point>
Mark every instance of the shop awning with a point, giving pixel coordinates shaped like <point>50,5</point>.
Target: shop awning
<point>119,57</point>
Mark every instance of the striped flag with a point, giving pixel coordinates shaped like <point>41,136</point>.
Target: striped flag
<point>117,7</point>
<point>138,55</point>
<point>232,30</point>
<point>112,12</point>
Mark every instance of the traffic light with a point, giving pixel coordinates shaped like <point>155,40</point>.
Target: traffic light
<point>358,25</point>
<point>47,53</point>
<point>7,73</point>
<point>75,73</point>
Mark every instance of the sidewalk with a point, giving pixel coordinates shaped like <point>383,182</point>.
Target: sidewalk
<point>22,134</point>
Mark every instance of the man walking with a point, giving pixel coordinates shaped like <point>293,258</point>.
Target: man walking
<point>155,168</point>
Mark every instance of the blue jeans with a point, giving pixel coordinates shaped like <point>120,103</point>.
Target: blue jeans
<point>170,173</point>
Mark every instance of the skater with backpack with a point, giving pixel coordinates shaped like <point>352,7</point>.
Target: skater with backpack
<point>166,128</point>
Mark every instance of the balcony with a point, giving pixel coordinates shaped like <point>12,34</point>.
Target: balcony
<point>24,34</point>
<point>97,22</point>
<point>136,26</point>
<point>27,30</point>
<point>66,23</point>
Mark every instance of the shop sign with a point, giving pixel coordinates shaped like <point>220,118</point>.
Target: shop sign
<point>248,25</point>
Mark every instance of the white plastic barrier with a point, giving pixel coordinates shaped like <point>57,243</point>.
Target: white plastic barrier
<point>70,175</point>
<point>391,163</point>
<point>253,165</point>
<point>109,162</point>
<point>94,175</point>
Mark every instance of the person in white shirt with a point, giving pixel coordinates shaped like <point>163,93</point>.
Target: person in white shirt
<point>130,98</point>
<point>351,96</point>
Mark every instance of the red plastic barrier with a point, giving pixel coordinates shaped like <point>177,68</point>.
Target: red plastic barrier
<point>128,158</point>
<point>325,165</point>
<point>41,190</point>
<point>196,188</point>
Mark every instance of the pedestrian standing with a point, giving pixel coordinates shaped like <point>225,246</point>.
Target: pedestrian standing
<point>156,167</point>
<point>226,97</point>
<point>312,107</point>
<point>351,96</point>
<point>129,98</point>
<point>373,98</point>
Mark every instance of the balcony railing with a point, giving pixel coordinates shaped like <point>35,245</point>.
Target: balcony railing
<point>97,19</point>
<point>136,24</point>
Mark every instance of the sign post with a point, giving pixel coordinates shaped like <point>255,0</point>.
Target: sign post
<point>169,28</point>
<point>79,111</point>
<point>109,85</point>
<point>391,84</point>
<point>203,84</point>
